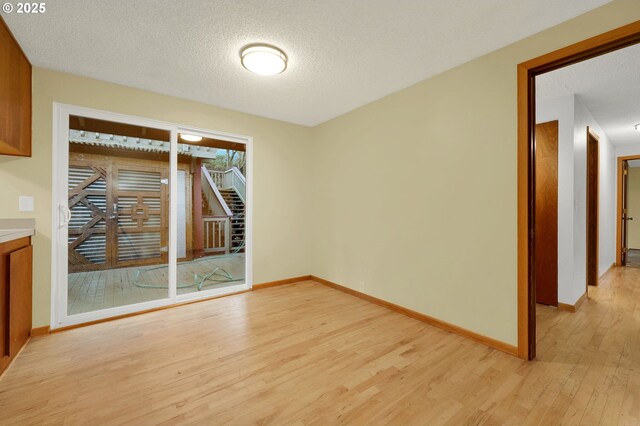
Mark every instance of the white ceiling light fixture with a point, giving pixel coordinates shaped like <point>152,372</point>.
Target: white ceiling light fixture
<point>263,59</point>
<point>637,126</point>
<point>190,138</point>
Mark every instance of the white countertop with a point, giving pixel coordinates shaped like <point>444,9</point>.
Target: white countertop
<point>13,229</point>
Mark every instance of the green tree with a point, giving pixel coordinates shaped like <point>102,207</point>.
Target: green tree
<point>228,158</point>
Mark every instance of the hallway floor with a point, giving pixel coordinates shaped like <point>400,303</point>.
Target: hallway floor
<point>308,354</point>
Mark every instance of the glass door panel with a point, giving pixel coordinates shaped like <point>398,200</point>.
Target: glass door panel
<point>211,214</point>
<point>118,198</point>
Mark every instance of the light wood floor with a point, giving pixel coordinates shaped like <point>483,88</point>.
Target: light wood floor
<point>308,354</point>
<point>92,291</point>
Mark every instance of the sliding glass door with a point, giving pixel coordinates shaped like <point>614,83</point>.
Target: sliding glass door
<point>148,214</point>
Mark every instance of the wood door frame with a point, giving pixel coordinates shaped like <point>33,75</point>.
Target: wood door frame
<point>591,135</point>
<point>619,38</point>
<point>619,178</point>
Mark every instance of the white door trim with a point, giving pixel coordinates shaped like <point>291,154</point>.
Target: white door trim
<point>59,234</point>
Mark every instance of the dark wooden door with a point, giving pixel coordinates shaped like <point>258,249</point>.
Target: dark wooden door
<point>546,213</point>
<point>625,212</point>
<point>592,208</point>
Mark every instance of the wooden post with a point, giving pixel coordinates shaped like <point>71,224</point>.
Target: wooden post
<point>198,224</point>
<point>227,235</point>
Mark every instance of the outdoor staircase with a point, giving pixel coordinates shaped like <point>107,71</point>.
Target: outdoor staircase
<point>226,190</point>
<point>236,205</point>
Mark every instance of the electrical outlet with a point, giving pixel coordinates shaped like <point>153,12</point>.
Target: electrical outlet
<point>25,203</point>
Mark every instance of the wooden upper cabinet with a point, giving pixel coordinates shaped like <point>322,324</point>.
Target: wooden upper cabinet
<point>15,97</point>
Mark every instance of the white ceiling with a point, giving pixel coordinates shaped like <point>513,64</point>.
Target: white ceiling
<point>608,85</point>
<point>342,53</point>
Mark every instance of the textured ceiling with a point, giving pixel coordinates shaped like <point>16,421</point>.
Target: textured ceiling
<point>342,53</point>
<point>609,86</point>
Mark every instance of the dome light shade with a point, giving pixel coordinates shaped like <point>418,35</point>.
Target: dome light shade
<point>263,59</point>
<point>190,138</point>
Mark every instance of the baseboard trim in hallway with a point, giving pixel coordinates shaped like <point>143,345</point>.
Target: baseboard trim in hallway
<point>573,308</point>
<point>488,341</point>
<point>611,268</point>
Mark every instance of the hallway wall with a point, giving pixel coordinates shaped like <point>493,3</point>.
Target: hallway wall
<point>607,196</point>
<point>573,119</point>
<point>562,109</point>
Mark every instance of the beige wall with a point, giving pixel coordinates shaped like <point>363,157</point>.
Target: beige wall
<point>411,198</point>
<point>634,208</point>
<point>281,169</point>
<point>415,194</point>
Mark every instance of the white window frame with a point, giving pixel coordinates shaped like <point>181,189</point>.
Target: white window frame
<point>59,230</point>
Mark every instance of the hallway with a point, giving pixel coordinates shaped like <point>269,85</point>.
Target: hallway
<point>595,353</point>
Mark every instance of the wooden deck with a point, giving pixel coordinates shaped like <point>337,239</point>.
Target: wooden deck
<point>91,291</point>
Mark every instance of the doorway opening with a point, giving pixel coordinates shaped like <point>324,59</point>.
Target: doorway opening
<point>585,210</point>
<point>628,208</point>
<point>148,214</point>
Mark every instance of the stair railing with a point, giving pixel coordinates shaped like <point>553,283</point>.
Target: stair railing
<point>212,194</point>
<point>217,235</point>
<point>234,179</point>
<point>218,178</point>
